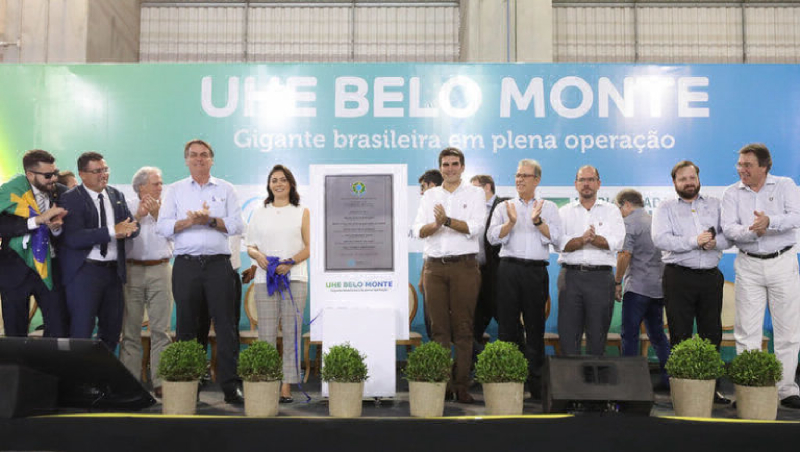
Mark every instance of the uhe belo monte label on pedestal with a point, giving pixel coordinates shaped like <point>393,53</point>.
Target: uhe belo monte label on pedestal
<point>359,223</point>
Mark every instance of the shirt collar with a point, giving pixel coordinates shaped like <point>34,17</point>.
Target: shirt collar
<point>211,181</point>
<point>95,194</point>
<point>699,197</point>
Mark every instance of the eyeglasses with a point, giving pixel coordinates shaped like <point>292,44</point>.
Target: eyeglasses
<point>103,170</point>
<point>49,175</point>
<point>524,176</point>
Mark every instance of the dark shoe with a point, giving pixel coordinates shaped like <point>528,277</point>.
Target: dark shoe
<point>285,399</point>
<point>234,397</point>
<point>158,392</point>
<point>792,401</point>
<point>463,396</point>
<point>449,396</point>
<point>722,400</point>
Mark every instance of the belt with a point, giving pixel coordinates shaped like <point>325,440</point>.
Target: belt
<point>768,255</point>
<point>452,259</point>
<point>203,259</point>
<point>101,263</point>
<point>147,263</point>
<point>525,262</point>
<point>693,270</point>
<point>587,268</point>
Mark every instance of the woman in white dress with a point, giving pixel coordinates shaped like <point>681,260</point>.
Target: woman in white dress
<point>277,240</point>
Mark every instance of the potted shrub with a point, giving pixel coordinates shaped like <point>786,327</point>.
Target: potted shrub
<point>181,365</point>
<point>754,374</point>
<point>693,367</point>
<point>428,369</point>
<point>344,369</point>
<point>502,370</point>
<point>261,368</point>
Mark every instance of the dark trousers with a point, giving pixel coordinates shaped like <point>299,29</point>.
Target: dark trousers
<point>96,293</point>
<point>635,309</point>
<point>206,289</point>
<point>486,306</point>
<point>693,294</point>
<point>451,290</point>
<point>522,289</point>
<point>205,319</point>
<point>585,304</point>
<point>16,307</point>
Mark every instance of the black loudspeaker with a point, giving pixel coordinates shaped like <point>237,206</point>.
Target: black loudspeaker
<point>25,392</point>
<point>586,383</point>
<point>86,375</point>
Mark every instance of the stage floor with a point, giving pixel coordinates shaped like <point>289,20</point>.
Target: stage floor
<point>305,426</point>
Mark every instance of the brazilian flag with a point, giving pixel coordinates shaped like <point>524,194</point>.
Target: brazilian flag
<point>16,198</point>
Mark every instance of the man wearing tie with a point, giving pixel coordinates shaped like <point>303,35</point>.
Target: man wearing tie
<point>20,279</point>
<point>93,253</point>
<point>200,213</point>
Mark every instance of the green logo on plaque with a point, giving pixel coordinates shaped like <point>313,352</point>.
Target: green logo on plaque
<point>358,188</point>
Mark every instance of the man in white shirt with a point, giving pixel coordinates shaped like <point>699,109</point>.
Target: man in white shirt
<point>761,214</point>
<point>593,233</point>
<point>149,284</point>
<point>450,219</point>
<point>525,227</point>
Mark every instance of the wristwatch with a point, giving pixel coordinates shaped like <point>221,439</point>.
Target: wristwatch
<point>213,223</point>
<point>447,222</point>
<point>538,222</point>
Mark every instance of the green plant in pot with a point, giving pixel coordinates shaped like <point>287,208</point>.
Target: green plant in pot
<point>261,368</point>
<point>693,367</point>
<point>428,370</point>
<point>502,370</point>
<point>182,364</point>
<point>755,374</point>
<point>345,370</point>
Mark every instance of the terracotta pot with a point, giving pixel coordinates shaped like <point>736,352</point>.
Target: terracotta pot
<point>758,403</point>
<point>345,399</point>
<point>426,398</point>
<point>180,397</point>
<point>503,399</point>
<point>692,398</point>
<point>261,398</point>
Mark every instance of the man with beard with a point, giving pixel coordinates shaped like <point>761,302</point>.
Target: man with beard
<point>450,220</point>
<point>593,233</point>
<point>525,227</point>
<point>761,214</point>
<point>687,230</point>
<point>19,277</point>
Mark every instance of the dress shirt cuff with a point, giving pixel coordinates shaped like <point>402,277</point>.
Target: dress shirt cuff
<point>111,233</point>
<point>57,232</point>
<point>32,224</point>
<point>691,242</point>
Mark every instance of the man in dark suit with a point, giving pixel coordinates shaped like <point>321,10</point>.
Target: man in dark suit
<point>488,259</point>
<point>93,253</point>
<point>18,280</point>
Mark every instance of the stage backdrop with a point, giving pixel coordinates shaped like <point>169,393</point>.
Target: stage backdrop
<point>633,122</point>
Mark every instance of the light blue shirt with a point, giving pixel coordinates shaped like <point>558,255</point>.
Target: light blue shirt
<point>676,225</point>
<point>187,195</point>
<point>525,241</point>
<point>779,199</point>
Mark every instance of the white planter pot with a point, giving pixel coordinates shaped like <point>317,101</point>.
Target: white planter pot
<point>180,397</point>
<point>345,399</point>
<point>503,399</point>
<point>426,398</point>
<point>758,403</point>
<point>692,398</point>
<point>261,398</point>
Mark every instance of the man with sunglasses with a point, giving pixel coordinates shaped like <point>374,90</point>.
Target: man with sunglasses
<point>18,280</point>
<point>93,252</point>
